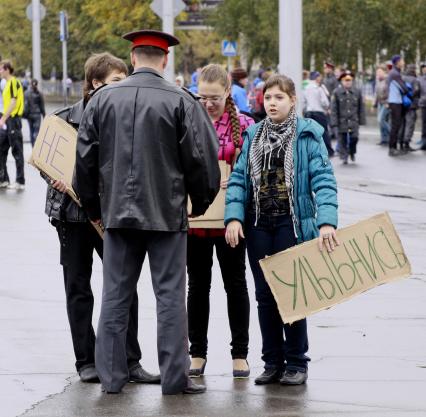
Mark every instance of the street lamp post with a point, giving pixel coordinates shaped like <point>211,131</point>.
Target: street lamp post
<point>290,43</point>
<point>63,37</point>
<point>36,41</point>
<point>168,27</point>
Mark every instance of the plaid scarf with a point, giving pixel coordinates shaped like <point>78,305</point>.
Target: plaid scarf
<point>269,137</point>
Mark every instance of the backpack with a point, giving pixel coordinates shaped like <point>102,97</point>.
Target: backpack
<point>407,98</point>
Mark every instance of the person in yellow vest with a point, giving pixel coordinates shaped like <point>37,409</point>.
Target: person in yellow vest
<point>10,123</point>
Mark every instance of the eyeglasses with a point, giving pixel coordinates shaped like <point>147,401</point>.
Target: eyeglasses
<point>213,100</point>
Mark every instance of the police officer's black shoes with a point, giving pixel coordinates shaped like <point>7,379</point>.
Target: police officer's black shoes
<point>103,389</point>
<point>269,376</point>
<point>139,375</point>
<point>194,389</point>
<point>291,377</point>
<point>88,374</point>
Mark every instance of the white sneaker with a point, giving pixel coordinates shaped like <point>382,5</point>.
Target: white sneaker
<point>17,186</point>
<point>4,184</point>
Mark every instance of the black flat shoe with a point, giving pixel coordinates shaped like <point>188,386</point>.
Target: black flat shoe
<point>140,376</point>
<point>88,374</point>
<point>195,389</point>
<point>269,376</point>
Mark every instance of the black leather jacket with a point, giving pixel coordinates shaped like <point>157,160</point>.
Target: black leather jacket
<point>60,206</point>
<point>34,103</point>
<point>143,146</point>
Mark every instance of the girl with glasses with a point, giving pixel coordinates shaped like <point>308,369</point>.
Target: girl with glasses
<point>214,88</point>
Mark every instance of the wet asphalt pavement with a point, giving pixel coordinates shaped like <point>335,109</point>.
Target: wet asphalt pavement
<point>368,354</point>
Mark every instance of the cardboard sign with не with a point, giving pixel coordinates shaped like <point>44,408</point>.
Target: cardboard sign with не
<point>54,151</point>
<point>54,154</point>
<point>215,214</point>
<point>305,280</point>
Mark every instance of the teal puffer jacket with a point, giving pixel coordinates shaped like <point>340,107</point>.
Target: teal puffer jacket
<point>315,188</point>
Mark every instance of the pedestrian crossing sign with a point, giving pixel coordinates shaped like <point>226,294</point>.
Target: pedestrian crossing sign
<point>229,48</point>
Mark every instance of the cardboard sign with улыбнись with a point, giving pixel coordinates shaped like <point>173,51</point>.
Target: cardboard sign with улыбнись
<point>305,280</point>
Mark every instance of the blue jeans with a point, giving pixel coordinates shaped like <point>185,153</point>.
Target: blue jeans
<point>273,234</point>
<point>383,119</point>
<point>34,121</point>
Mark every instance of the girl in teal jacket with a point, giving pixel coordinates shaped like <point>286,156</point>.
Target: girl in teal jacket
<point>281,192</point>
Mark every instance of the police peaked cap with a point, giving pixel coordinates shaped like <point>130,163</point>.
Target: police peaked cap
<point>154,38</point>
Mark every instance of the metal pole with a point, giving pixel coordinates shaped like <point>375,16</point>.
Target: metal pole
<point>418,57</point>
<point>63,36</point>
<point>168,26</point>
<point>360,62</point>
<point>36,41</point>
<point>290,44</point>
<point>64,71</point>
<point>229,64</point>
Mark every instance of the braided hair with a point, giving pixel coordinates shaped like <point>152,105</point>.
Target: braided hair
<point>213,73</point>
<point>235,121</point>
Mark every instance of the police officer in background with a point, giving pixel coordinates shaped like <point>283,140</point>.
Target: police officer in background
<point>143,145</point>
<point>330,80</point>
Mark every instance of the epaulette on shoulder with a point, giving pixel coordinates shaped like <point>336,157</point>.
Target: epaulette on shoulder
<point>61,112</point>
<point>194,96</point>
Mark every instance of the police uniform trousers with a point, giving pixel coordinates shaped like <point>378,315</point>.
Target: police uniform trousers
<point>124,254</point>
<point>78,241</point>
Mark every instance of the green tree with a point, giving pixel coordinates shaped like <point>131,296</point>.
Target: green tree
<point>337,29</point>
<point>333,29</point>
<point>256,20</point>
<point>192,53</point>
<point>94,26</point>
<point>15,34</point>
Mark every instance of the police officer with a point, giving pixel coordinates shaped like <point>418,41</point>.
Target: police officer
<point>143,145</point>
<point>330,80</point>
<point>347,114</point>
